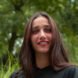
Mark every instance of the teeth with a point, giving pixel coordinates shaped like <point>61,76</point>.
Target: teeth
<point>43,42</point>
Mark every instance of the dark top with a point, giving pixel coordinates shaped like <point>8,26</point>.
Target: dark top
<point>48,72</point>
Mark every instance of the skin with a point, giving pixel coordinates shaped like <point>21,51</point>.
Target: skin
<point>41,40</point>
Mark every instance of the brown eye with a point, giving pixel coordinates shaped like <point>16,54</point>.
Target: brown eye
<point>48,30</point>
<point>35,31</point>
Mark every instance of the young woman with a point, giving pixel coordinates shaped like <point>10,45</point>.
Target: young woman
<point>42,53</point>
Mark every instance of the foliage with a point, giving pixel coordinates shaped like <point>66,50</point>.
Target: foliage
<point>15,13</point>
<point>7,69</point>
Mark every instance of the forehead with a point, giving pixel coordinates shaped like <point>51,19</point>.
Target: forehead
<point>41,20</point>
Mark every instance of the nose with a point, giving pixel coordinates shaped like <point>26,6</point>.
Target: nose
<point>42,34</point>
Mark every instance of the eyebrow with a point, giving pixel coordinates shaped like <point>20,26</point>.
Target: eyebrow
<point>43,26</point>
<point>36,27</point>
<point>46,25</point>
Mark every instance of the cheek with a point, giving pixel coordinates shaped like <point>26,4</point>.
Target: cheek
<point>50,36</point>
<point>33,40</point>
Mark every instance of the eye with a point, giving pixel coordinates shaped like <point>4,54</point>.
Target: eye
<point>35,31</point>
<point>48,30</point>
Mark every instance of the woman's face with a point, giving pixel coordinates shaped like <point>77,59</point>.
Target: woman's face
<point>41,35</point>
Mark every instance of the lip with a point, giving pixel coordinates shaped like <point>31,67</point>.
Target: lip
<point>43,43</point>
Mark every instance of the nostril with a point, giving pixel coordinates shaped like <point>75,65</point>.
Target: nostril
<point>42,37</point>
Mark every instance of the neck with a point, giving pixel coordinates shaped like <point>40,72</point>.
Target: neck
<point>42,60</point>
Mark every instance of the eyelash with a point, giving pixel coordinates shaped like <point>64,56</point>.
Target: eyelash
<point>35,31</point>
<point>47,30</point>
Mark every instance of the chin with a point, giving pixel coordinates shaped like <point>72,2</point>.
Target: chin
<point>43,51</point>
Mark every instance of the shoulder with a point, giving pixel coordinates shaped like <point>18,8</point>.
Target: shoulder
<point>76,72</point>
<point>17,74</point>
<point>71,72</point>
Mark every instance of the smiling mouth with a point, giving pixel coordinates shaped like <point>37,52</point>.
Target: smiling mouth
<point>43,43</point>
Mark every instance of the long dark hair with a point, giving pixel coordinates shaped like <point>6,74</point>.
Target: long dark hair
<point>58,57</point>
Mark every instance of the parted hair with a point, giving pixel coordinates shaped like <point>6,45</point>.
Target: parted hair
<point>57,55</point>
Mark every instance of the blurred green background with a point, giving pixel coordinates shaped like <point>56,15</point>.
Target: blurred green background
<point>13,17</point>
